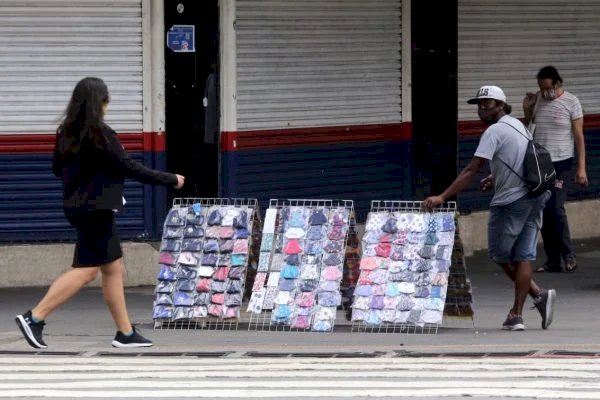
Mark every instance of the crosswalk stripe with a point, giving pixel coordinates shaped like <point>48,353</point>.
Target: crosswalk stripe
<point>181,377</point>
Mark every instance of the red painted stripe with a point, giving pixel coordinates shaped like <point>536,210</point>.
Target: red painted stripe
<point>24,143</point>
<point>277,138</point>
<point>476,128</point>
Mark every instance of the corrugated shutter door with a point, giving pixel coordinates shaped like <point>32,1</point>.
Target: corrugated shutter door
<point>506,42</point>
<point>317,63</point>
<point>46,46</point>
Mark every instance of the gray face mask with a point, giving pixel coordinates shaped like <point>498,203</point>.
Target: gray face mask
<point>488,116</point>
<point>549,94</point>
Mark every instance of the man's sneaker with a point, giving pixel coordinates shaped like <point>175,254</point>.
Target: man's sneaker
<point>32,331</point>
<point>134,340</point>
<point>513,323</point>
<point>545,305</point>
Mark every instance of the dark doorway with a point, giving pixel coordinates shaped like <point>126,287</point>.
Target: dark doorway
<point>190,150</point>
<point>434,95</point>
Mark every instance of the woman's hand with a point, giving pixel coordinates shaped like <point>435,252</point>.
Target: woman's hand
<point>180,181</point>
<point>432,202</point>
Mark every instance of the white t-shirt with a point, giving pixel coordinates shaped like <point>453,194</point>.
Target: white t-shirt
<point>501,142</point>
<point>553,128</point>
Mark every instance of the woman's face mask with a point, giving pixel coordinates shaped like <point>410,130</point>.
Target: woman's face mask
<point>549,94</point>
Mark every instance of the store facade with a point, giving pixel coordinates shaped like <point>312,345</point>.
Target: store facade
<point>315,99</point>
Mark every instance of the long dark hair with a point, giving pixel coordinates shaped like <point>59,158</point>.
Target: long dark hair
<point>83,119</point>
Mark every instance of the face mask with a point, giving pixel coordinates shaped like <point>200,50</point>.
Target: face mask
<point>549,94</point>
<point>488,115</point>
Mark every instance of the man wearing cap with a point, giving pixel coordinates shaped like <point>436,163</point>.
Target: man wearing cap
<point>515,217</point>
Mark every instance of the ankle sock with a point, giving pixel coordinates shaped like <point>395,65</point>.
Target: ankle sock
<point>128,333</point>
<point>35,320</point>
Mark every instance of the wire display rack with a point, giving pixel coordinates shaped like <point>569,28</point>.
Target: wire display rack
<point>209,322</point>
<point>261,313</point>
<point>411,207</point>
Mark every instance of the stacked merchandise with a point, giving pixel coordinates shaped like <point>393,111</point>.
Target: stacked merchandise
<point>404,268</point>
<point>301,267</point>
<point>459,298</point>
<point>202,263</point>
<point>351,268</point>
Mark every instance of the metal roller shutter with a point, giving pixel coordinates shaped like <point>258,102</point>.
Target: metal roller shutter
<point>317,63</point>
<point>46,46</point>
<point>505,43</point>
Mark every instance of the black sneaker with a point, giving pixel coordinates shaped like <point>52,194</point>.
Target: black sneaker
<point>545,305</point>
<point>32,331</point>
<point>513,323</point>
<point>134,340</point>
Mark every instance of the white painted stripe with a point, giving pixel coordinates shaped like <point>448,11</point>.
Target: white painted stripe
<point>338,392</point>
<point>420,374</point>
<point>190,360</point>
<point>183,366</point>
<point>301,384</point>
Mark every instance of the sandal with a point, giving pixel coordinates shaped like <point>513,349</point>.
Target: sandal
<point>548,268</point>
<point>570,265</point>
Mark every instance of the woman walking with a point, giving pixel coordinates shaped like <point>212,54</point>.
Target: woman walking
<point>92,163</point>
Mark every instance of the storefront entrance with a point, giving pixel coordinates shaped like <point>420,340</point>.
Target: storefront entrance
<point>191,57</point>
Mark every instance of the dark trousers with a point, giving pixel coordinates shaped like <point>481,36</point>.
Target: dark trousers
<point>555,226</point>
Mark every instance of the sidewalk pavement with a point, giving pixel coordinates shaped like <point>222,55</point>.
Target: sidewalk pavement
<point>83,326</point>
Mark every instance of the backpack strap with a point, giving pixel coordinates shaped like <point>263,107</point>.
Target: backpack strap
<point>505,163</point>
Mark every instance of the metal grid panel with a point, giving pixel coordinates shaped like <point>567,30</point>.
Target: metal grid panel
<point>406,328</point>
<point>263,321</point>
<point>209,322</point>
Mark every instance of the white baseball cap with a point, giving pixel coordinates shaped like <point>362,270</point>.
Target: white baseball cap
<point>489,92</point>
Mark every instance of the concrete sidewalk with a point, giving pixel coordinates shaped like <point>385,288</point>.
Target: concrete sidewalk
<point>84,326</point>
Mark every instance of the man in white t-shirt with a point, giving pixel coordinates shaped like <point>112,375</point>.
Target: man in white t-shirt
<point>515,216</point>
<point>558,123</point>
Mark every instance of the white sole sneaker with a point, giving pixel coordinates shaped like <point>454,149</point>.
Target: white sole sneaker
<point>549,308</point>
<point>24,327</point>
<point>116,343</point>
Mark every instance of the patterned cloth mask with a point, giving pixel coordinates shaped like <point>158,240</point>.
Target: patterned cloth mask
<point>330,299</point>
<point>300,322</point>
<point>331,274</point>
<point>443,253</point>
<point>363,290</point>
<point>376,303</point>
<point>214,218</point>
<point>217,298</point>
<point>163,299</point>
<point>368,263</point>
<point>183,299</point>
<point>293,259</point>
<point>392,290</point>
<point>406,287</point>
<point>211,246</point>
<point>290,271</point>
<point>317,217</point>
<point>365,278</point>
<point>314,247</point>
<point>305,311</point>
<point>441,265</point>
<point>431,317</point>
<point>333,259</point>
<point>166,258</point>
<point>240,246</point>
<point>259,281</point>
<point>388,315</point>
<point>358,315</point>
<point>241,220</point>
<point>390,226</point>
<point>398,266</point>
<point>287,285</point>
<point>308,285</point>
<point>431,238</point>
<point>295,233</point>
<point>238,260</point>
<point>165,287</point>
<point>162,312</point>
<point>427,251</point>
<point>422,292</point>
<point>436,291</point>
<point>391,303</point>
<point>226,246</point>
<point>374,317</point>
<point>186,273</point>
<point>167,273</point>
<point>361,302</point>
<point>315,232</point>
<point>221,274</point>
<point>379,276</point>
<point>241,233</point>
<point>329,286</point>
<point>213,232</point>
<point>401,238</point>
<point>203,285</point>
<point>170,245</point>
<point>224,260</point>
<point>215,310</point>
<point>338,217</point>
<point>208,260</point>
<point>325,313</point>
<point>435,304</point>
<point>225,232</point>
<point>383,250</point>
<point>446,238</point>
<point>401,317</point>
<point>229,215</point>
<point>378,290</point>
<point>306,299</point>
<point>206,271</point>
<point>375,220</point>
<point>200,312</point>
<point>202,299</point>
<point>405,303</point>
<point>195,219</point>
<point>236,273</point>
<point>284,298</point>
<point>292,247</point>
<point>233,287</point>
<point>185,285</point>
<point>447,223</point>
<point>217,286</point>
<point>193,245</point>
<point>439,279</point>
<point>296,219</point>
<point>309,271</point>
<point>337,233</point>
<point>187,258</point>
<point>231,312</point>
<point>371,237</point>
<point>369,250</point>
<point>176,217</point>
<point>173,233</point>
<point>322,326</point>
<point>334,246</point>
<point>397,254</point>
<point>423,280</point>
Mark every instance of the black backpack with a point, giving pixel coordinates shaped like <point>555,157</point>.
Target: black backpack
<point>538,170</point>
